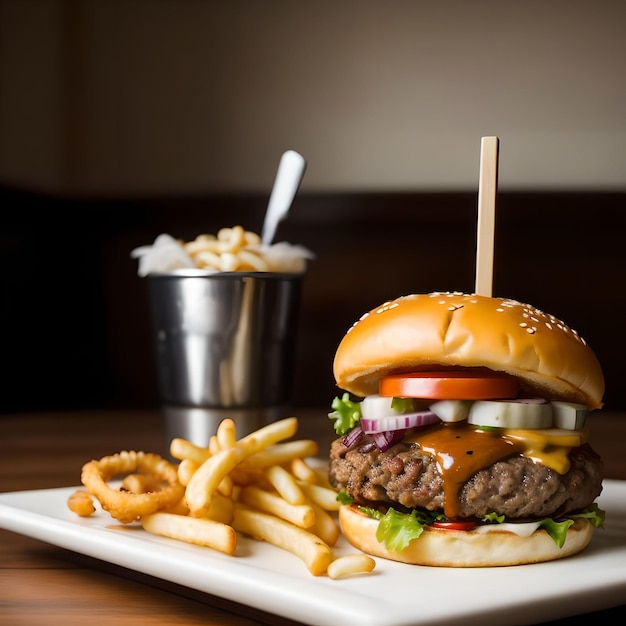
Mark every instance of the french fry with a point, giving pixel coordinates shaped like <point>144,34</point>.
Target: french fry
<point>322,480</point>
<point>180,508</point>
<point>141,483</point>
<point>235,495</point>
<point>280,454</point>
<point>285,484</point>
<point>268,435</point>
<point>200,243</point>
<point>202,532</point>
<point>308,547</point>
<point>225,487</point>
<point>80,502</point>
<point>302,471</point>
<point>210,474</point>
<point>232,249</point>
<point>231,239</point>
<point>207,258</point>
<point>221,509</point>
<point>182,449</point>
<point>206,480</point>
<point>261,486</point>
<point>226,434</point>
<point>249,259</point>
<point>186,469</point>
<point>351,565</point>
<point>214,445</point>
<point>323,496</point>
<point>251,238</point>
<point>325,526</point>
<point>243,477</point>
<point>301,515</point>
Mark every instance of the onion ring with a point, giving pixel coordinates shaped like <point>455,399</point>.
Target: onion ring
<point>124,506</point>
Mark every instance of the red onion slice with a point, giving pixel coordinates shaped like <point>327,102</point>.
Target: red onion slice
<point>384,440</point>
<point>398,422</point>
<point>352,437</point>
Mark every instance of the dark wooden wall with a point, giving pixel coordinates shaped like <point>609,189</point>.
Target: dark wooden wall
<point>74,315</point>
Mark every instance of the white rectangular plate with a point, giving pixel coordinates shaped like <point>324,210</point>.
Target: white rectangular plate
<point>272,580</point>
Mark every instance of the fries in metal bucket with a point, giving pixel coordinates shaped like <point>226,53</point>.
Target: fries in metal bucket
<point>233,249</point>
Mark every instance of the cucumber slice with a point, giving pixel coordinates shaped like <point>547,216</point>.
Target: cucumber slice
<point>527,413</point>
<point>376,407</point>
<point>451,410</point>
<point>569,414</point>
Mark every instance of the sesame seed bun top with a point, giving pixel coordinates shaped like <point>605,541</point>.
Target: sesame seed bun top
<point>449,330</point>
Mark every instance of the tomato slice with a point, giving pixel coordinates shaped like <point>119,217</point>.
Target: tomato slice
<point>455,525</point>
<point>454,385</point>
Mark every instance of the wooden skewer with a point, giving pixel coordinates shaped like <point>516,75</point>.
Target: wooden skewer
<point>487,190</point>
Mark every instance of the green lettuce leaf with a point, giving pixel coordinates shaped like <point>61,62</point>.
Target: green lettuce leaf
<point>558,529</point>
<point>396,530</point>
<point>346,414</point>
<point>594,514</point>
<point>344,498</point>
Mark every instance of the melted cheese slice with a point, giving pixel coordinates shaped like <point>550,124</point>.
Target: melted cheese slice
<point>548,446</point>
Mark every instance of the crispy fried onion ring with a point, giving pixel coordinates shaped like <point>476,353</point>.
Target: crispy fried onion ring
<point>125,506</point>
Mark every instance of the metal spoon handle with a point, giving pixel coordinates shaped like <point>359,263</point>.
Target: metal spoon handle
<point>288,177</point>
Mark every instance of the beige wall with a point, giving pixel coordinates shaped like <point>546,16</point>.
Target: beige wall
<point>149,96</point>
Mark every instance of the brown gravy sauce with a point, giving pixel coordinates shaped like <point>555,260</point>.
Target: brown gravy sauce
<point>461,450</point>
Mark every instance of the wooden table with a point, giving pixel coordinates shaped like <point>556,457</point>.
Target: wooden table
<point>43,584</point>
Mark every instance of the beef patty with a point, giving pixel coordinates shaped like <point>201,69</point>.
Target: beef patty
<point>516,487</point>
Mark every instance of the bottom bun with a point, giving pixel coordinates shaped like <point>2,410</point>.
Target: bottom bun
<point>459,548</point>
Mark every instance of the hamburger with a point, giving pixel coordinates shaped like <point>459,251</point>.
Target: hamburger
<point>462,433</point>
